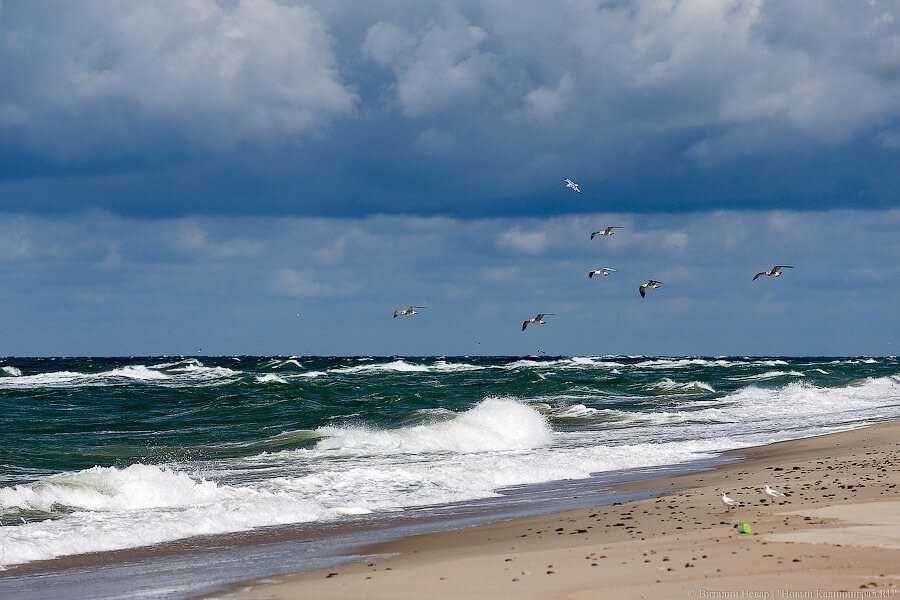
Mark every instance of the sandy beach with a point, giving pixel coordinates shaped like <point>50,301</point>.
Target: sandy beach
<point>835,534</point>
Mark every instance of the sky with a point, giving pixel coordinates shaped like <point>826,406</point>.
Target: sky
<point>277,177</point>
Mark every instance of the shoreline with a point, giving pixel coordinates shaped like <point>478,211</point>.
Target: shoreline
<point>838,530</point>
<point>192,567</point>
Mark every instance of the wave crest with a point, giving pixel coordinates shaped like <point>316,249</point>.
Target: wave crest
<point>494,424</point>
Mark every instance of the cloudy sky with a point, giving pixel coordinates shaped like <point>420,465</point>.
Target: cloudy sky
<point>277,177</point>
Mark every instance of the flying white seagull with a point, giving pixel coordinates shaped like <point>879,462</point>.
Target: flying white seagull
<point>572,184</point>
<point>773,493</point>
<point>651,284</point>
<point>773,272</point>
<point>607,231</point>
<point>410,310</point>
<point>728,501</point>
<point>538,320</point>
<point>605,271</point>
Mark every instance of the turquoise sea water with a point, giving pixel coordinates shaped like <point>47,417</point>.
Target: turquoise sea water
<point>113,453</point>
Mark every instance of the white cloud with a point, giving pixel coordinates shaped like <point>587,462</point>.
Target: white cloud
<point>438,68</point>
<point>502,274</point>
<point>545,102</point>
<point>488,270</point>
<point>714,81</point>
<point>195,239</point>
<point>524,242</point>
<point>675,240</point>
<point>306,284</point>
<point>217,74</point>
<point>15,242</point>
<point>890,138</point>
<point>435,142</point>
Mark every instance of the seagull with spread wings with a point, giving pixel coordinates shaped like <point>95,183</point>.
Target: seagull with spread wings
<point>773,272</point>
<point>572,184</point>
<point>607,231</point>
<point>650,285</point>
<point>410,310</point>
<point>538,320</point>
<point>605,271</point>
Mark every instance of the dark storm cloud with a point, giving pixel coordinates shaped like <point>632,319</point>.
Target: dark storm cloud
<point>459,108</point>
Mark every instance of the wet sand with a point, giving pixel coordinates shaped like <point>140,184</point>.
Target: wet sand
<point>835,534</point>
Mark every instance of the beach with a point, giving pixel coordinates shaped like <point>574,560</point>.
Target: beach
<point>836,534</point>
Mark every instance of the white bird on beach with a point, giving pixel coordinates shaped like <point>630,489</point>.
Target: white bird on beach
<point>410,310</point>
<point>773,272</point>
<point>773,493</point>
<point>651,284</point>
<point>605,271</point>
<point>728,501</point>
<point>607,231</point>
<point>538,320</point>
<point>572,184</point>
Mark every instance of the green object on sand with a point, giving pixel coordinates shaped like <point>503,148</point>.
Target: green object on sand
<point>745,528</point>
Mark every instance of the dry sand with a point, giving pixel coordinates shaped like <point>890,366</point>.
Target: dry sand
<point>835,535</point>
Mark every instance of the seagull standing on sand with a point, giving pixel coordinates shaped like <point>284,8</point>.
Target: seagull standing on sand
<point>605,271</point>
<point>410,310</point>
<point>651,284</point>
<point>728,501</point>
<point>773,493</point>
<point>538,320</point>
<point>773,272</point>
<point>607,231</point>
<point>572,184</point>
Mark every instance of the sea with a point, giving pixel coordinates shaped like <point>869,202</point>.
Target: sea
<point>173,476</point>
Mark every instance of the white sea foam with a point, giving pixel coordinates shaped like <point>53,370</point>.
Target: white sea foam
<point>797,404</point>
<point>111,508</point>
<point>572,363</point>
<point>291,362</point>
<point>270,378</point>
<point>689,387</point>
<point>198,370</point>
<point>767,375</point>
<point>311,374</point>
<point>532,364</point>
<point>683,363</point>
<point>493,424</point>
<point>107,489</point>
<point>580,411</point>
<point>180,363</point>
<point>591,362</point>
<point>401,366</point>
<point>50,380</point>
<point>11,371</point>
<point>183,373</point>
<point>139,372</point>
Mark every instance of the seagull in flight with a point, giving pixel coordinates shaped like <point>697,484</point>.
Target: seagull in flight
<point>773,272</point>
<point>607,231</point>
<point>410,310</point>
<point>605,271</point>
<point>729,502</point>
<point>651,284</point>
<point>773,493</point>
<point>572,184</point>
<point>538,320</point>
